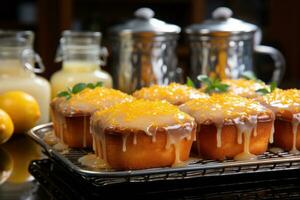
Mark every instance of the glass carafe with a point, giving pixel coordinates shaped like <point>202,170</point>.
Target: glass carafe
<point>81,56</point>
<point>18,65</point>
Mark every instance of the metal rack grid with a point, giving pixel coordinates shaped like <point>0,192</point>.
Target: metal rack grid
<point>196,168</point>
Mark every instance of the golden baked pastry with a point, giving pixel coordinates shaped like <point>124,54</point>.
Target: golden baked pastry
<point>142,134</point>
<point>286,106</point>
<point>71,117</point>
<point>174,93</point>
<point>230,126</point>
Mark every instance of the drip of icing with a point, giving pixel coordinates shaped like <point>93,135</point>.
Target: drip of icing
<point>239,136</point>
<point>135,138</point>
<point>273,116</point>
<point>255,130</point>
<point>245,128</point>
<point>271,140</point>
<point>177,162</point>
<point>50,138</point>
<point>174,136</point>
<point>246,155</point>
<point>219,131</point>
<point>60,147</point>
<point>91,160</point>
<point>276,150</point>
<point>154,135</point>
<point>124,140</point>
<point>295,124</point>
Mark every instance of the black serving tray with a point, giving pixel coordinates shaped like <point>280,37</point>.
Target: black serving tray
<point>197,169</point>
<point>62,184</point>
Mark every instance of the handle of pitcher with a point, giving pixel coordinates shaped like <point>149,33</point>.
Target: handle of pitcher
<point>279,61</point>
<point>32,61</point>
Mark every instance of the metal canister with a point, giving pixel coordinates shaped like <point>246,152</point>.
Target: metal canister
<point>143,52</point>
<point>223,47</point>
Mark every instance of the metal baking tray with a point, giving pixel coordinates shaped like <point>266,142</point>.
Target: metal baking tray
<point>196,167</point>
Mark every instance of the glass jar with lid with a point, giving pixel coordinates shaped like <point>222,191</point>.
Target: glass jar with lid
<point>18,65</point>
<point>81,56</point>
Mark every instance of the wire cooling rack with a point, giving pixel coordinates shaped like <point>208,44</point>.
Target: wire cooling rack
<point>196,168</point>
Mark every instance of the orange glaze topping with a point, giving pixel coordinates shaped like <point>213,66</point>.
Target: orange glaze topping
<point>141,115</point>
<point>282,100</point>
<point>243,87</point>
<point>174,93</point>
<point>223,107</point>
<point>89,100</point>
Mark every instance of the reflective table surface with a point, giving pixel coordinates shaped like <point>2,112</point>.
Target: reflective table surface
<point>51,181</point>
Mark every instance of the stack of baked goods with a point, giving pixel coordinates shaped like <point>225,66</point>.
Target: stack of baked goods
<point>157,125</point>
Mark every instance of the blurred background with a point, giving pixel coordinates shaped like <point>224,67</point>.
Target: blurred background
<point>279,21</point>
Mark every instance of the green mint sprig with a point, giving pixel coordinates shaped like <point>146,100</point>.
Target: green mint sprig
<point>190,83</point>
<point>78,88</point>
<point>212,84</point>
<point>267,90</point>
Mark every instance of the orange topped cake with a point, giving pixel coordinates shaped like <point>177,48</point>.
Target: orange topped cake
<point>230,126</point>
<point>286,106</point>
<point>142,134</point>
<point>244,87</point>
<point>71,114</point>
<point>174,93</point>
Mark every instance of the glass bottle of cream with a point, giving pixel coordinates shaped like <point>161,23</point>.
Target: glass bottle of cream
<point>81,56</point>
<point>18,65</point>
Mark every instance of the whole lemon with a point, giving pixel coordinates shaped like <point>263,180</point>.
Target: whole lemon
<point>22,108</point>
<point>6,126</point>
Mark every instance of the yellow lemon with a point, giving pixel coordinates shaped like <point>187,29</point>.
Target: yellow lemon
<point>22,108</point>
<point>6,127</point>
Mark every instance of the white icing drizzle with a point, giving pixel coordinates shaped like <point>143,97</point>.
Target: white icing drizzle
<point>273,116</point>
<point>246,155</point>
<point>91,160</point>
<point>255,130</point>
<point>50,138</point>
<point>219,132</point>
<point>245,127</point>
<point>276,150</point>
<point>239,136</point>
<point>60,147</point>
<point>271,139</point>
<point>154,135</point>
<point>295,124</point>
<point>124,140</point>
<point>135,138</point>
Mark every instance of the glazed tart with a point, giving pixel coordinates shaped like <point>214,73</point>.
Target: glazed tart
<point>174,93</point>
<point>286,106</point>
<point>243,87</point>
<point>142,134</point>
<point>71,117</point>
<point>230,126</point>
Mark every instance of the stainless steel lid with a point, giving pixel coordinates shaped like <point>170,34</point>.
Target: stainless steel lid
<point>222,22</point>
<point>145,23</point>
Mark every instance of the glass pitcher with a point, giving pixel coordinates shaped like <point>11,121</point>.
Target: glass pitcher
<point>223,47</point>
<point>143,52</point>
<point>81,57</point>
<point>18,65</point>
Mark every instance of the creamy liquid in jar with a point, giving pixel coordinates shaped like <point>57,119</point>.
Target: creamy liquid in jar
<point>13,76</point>
<point>74,72</point>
